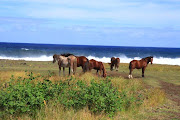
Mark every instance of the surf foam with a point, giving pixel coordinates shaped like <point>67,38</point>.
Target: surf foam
<point>123,59</point>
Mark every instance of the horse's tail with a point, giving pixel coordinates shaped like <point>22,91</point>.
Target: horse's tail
<point>130,66</point>
<point>86,66</point>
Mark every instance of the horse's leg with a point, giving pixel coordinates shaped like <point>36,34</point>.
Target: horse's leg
<point>143,69</point>
<point>130,73</point>
<point>64,71</point>
<point>74,67</point>
<point>69,70</point>
<point>112,67</point>
<point>83,69</point>
<point>97,72</point>
<point>59,70</point>
<point>116,67</point>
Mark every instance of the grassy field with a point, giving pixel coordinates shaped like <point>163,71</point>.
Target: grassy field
<point>161,86</point>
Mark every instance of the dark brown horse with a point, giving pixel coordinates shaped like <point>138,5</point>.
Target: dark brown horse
<point>114,62</point>
<point>81,60</point>
<point>139,64</point>
<point>93,64</point>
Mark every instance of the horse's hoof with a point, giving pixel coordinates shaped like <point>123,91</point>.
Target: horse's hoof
<point>129,76</point>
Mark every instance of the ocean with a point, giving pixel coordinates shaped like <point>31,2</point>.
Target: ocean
<point>44,52</point>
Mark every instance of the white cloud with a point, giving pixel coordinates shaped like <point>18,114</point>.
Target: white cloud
<point>153,13</point>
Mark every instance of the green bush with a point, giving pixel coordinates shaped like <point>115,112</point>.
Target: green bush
<point>99,97</point>
<point>26,96</point>
<point>103,97</point>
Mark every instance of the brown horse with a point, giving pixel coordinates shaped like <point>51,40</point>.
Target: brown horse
<point>69,61</point>
<point>81,60</point>
<point>93,64</point>
<point>114,62</point>
<point>138,64</point>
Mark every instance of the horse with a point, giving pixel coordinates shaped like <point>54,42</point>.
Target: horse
<point>93,64</point>
<point>114,62</point>
<point>138,64</point>
<point>69,61</point>
<point>81,60</point>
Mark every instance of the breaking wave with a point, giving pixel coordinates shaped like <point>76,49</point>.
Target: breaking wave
<point>123,59</point>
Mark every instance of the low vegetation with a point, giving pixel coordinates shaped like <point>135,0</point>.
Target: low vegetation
<point>99,96</point>
<point>35,91</point>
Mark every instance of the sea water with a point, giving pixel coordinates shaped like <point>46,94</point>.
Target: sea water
<point>44,52</point>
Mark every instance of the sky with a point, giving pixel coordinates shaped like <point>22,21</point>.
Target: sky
<point>147,23</point>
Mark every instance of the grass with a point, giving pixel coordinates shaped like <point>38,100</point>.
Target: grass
<point>156,105</point>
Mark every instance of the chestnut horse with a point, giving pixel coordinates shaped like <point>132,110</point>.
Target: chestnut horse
<point>69,61</point>
<point>114,62</point>
<point>93,64</point>
<point>138,64</point>
<point>81,60</point>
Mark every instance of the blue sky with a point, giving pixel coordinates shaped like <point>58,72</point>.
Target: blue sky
<point>154,23</point>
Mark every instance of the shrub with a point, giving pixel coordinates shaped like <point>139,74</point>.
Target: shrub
<point>26,96</point>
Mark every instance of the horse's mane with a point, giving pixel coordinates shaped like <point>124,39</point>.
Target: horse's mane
<point>148,57</point>
<point>66,54</point>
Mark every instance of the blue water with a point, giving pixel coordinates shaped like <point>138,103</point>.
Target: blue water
<point>24,50</point>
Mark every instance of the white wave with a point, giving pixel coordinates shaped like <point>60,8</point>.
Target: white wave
<point>24,49</point>
<point>123,59</point>
<point>41,58</point>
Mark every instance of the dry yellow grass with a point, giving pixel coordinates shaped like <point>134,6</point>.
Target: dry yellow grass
<point>156,97</point>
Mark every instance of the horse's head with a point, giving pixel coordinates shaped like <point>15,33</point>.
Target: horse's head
<point>148,59</point>
<point>151,59</point>
<point>104,70</point>
<point>104,74</point>
<point>55,58</point>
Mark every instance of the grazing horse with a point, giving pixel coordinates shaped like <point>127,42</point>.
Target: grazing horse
<point>138,64</point>
<point>93,64</point>
<point>69,61</point>
<point>114,62</point>
<point>81,60</point>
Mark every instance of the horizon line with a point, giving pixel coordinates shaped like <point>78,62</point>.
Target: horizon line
<point>90,45</point>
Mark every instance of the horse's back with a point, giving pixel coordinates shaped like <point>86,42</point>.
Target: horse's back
<point>138,64</point>
<point>81,60</point>
<point>93,64</point>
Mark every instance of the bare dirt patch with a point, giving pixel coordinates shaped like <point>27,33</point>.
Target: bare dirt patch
<point>172,91</point>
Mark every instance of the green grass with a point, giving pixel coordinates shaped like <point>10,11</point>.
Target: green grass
<point>155,106</point>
